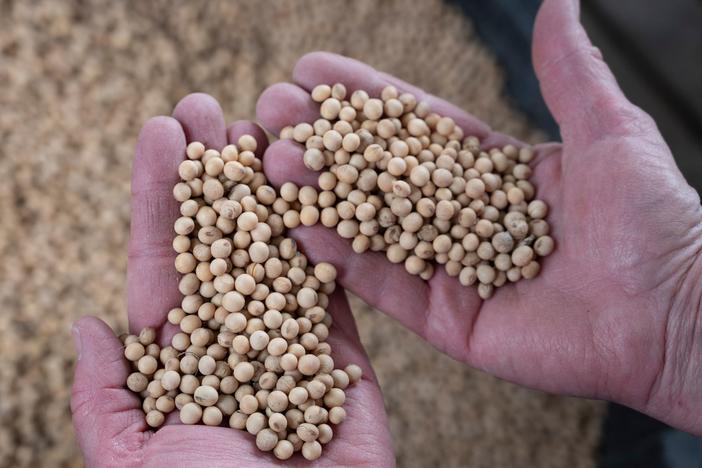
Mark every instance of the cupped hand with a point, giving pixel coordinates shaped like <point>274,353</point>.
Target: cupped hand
<point>108,419</point>
<point>615,312</point>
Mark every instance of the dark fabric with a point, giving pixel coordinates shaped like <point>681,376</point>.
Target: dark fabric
<point>630,439</point>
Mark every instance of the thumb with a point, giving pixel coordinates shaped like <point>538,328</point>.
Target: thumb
<point>578,86</point>
<point>107,417</point>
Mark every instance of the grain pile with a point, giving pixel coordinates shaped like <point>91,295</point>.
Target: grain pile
<point>79,78</point>
<point>399,178</point>
<point>252,350</point>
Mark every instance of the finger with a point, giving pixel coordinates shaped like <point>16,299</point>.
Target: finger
<point>202,120</point>
<point>152,282</point>
<point>284,104</point>
<point>448,322</point>
<point>369,275</point>
<point>441,311</point>
<point>364,402</point>
<point>283,163</point>
<point>343,337</point>
<point>246,127</point>
<point>280,105</point>
<point>327,68</point>
<point>105,414</point>
<point>578,86</point>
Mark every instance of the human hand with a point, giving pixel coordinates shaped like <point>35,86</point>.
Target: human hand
<point>108,418</point>
<point>615,311</point>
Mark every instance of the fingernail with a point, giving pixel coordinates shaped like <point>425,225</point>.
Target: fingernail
<point>77,343</point>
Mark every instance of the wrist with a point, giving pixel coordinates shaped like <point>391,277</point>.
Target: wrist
<point>675,396</point>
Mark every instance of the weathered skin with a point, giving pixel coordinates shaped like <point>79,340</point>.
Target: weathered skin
<point>614,314</point>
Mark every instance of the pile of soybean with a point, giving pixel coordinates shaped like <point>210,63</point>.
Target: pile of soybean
<point>396,177</point>
<point>399,178</point>
<point>251,352</point>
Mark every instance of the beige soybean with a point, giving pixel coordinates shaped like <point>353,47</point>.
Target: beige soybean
<point>425,169</point>
<point>253,325</point>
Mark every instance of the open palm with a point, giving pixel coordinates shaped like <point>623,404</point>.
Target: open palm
<point>108,418</point>
<point>611,315</point>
